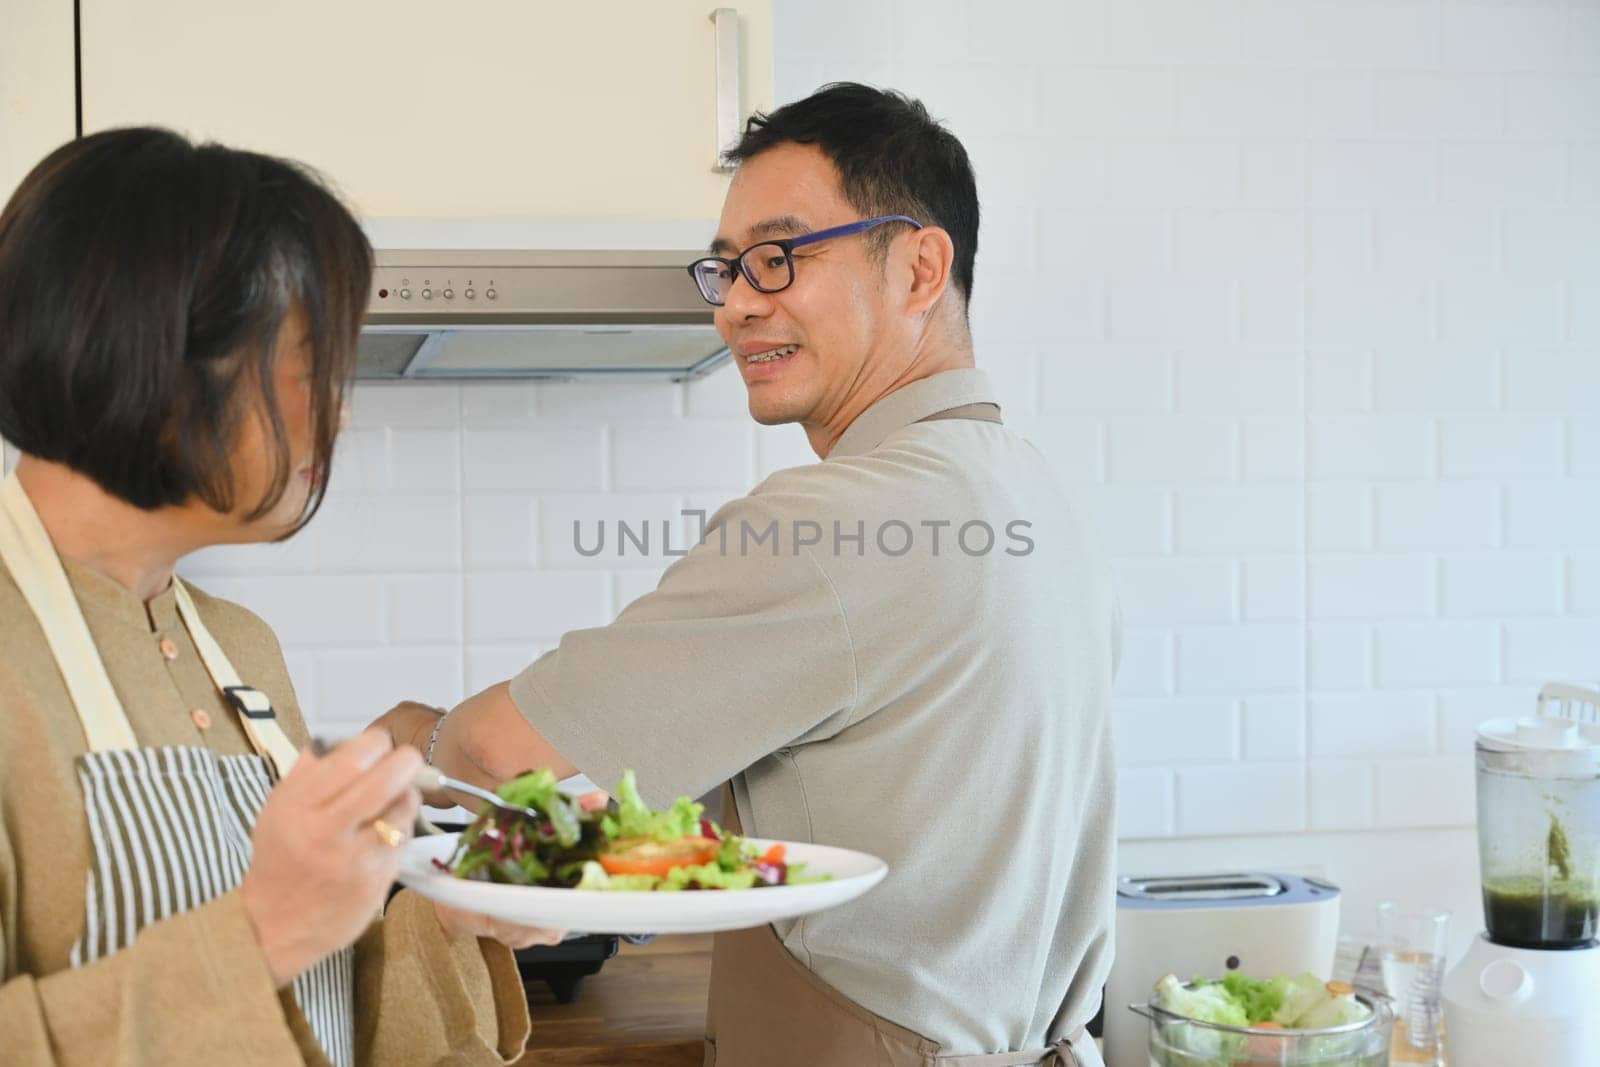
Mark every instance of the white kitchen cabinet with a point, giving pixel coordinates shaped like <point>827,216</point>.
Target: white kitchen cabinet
<point>36,93</point>
<point>482,108</point>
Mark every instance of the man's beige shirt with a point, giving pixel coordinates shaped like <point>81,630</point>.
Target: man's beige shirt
<point>875,671</point>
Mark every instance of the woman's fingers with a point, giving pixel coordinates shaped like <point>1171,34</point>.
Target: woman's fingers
<point>320,779</point>
<point>389,781</point>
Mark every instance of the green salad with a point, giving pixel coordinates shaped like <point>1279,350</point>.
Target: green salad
<point>628,847</point>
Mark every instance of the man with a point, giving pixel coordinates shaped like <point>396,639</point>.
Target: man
<point>848,645</point>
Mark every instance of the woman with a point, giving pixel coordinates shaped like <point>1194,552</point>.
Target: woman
<point>178,882</point>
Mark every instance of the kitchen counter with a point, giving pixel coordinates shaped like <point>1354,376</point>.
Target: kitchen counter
<point>646,1008</point>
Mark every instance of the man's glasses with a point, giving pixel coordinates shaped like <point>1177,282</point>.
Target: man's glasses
<point>769,266</point>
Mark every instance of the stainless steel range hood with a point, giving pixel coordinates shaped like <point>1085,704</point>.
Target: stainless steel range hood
<point>448,315</point>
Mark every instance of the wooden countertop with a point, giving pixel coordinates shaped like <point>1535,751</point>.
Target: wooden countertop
<point>646,1008</point>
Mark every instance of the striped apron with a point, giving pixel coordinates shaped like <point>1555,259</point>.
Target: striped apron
<point>169,828</point>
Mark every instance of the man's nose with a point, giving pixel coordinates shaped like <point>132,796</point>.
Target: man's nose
<point>744,302</point>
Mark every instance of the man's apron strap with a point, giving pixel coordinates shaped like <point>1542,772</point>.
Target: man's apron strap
<point>1058,1055</point>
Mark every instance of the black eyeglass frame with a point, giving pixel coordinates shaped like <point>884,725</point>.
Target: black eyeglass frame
<point>731,267</point>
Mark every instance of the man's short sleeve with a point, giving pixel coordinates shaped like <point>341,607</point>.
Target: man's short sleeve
<point>742,650</point>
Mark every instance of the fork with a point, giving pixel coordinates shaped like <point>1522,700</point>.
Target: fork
<point>433,780</point>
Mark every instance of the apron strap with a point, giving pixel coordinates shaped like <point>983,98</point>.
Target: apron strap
<point>256,714</point>
<point>31,558</point>
<point>1060,1054</point>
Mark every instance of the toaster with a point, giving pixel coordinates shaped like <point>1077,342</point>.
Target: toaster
<point>1204,925</point>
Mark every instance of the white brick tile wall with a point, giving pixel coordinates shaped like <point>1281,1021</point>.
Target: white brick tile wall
<point>1300,297</point>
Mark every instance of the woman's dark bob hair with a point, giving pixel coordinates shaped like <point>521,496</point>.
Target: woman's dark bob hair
<point>143,284</point>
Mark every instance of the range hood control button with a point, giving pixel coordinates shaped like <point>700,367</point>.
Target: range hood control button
<point>490,294</point>
<point>427,294</point>
<point>405,294</point>
<point>469,294</point>
<point>449,294</point>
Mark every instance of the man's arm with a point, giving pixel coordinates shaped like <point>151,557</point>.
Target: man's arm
<point>483,740</point>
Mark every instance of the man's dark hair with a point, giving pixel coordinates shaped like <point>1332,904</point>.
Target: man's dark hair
<point>893,158</point>
<point>144,281</point>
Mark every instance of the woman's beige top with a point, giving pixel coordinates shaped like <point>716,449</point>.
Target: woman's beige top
<point>193,988</point>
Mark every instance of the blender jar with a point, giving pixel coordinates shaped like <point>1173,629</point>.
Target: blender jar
<point>1539,832</point>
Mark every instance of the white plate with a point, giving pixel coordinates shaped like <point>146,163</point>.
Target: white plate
<point>646,913</point>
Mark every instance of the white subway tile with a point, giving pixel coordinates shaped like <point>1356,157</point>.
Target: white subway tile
<point>1553,244</point>
<point>1358,35</point>
<point>1272,312</point>
<point>534,607</point>
<point>383,404</point>
<point>1433,654</point>
<point>1194,312</point>
<point>1168,732</point>
<point>388,533</point>
<point>1342,243</point>
<point>559,459</point>
<point>1553,651</point>
<point>1273,173</point>
<point>1105,244</point>
<point>1072,100</point>
<point>500,532</point>
<point>1340,103</point>
<point>584,401</point>
<point>1055,171</point>
<point>303,677</point>
<point>1274,729</point>
<point>1146,665</point>
<point>1144,802</point>
<point>1429,106</point>
<point>1583,584</point>
<point>1274,589</point>
<point>1342,795</point>
<point>1553,514</point>
<point>1012,295</point>
<point>498,403</point>
<point>650,456</point>
<point>424,461</point>
<point>1106,380</point>
<point>1354,446</point>
<point>1430,379</point>
<point>1243,658</point>
<point>1500,37</point>
<point>294,556</point>
<point>1497,309</point>
<point>1075,30</point>
<point>1341,518</point>
<point>1175,173</point>
<point>1166,590</point>
<point>1156,31</point>
<point>1340,380</point>
<point>1183,449</point>
<point>631,584</point>
<point>1341,657</point>
<point>1504,446</point>
<point>1274,449</point>
<point>1584,165</point>
<point>1442,515</point>
<point>1074,447</point>
<point>1240,380</point>
<point>1241,799</point>
<point>361,462</point>
<point>1501,584</point>
<point>313,610</point>
<point>1553,105</point>
<point>614,530</point>
<point>781,447</point>
<point>1583,36</point>
<point>353,688</point>
<point>1131,519</point>
<point>1553,380</point>
<point>1371,587</point>
<point>424,609</point>
<point>1363,311</point>
<point>1413,242</point>
<point>972,97</point>
<point>489,665</point>
<point>1583,302</point>
<point>1500,172</point>
<point>721,394</point>
<point>1241,103</point>
<point>1258,519</point>
<point>1426,792</point>
<point>1371,173</point>
<point>1372,724</point>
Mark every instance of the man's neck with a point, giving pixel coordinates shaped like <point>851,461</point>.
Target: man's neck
<point>135,548</point>
<point>824,436</point>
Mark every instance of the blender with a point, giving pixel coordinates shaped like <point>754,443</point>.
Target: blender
<point>1528,991</point>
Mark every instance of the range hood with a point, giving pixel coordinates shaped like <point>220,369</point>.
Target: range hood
<point>447,315</point>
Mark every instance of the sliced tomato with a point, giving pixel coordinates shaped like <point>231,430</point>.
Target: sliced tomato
<point>641,855</point>
<point>773,855</point>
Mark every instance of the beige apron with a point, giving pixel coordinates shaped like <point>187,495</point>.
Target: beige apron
<point>768,1009</point>
<point>169,828</point>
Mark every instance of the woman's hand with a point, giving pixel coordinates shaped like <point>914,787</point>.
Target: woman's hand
<point>327,846</point>
<point>458,923</point>
<point>409,723</point>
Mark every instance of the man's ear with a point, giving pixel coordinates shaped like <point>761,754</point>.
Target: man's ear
<point>931,255</point>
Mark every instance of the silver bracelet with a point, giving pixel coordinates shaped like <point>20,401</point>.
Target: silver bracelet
<point>433,738</point>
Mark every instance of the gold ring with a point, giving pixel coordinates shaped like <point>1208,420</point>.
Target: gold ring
<point>387,833</point>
